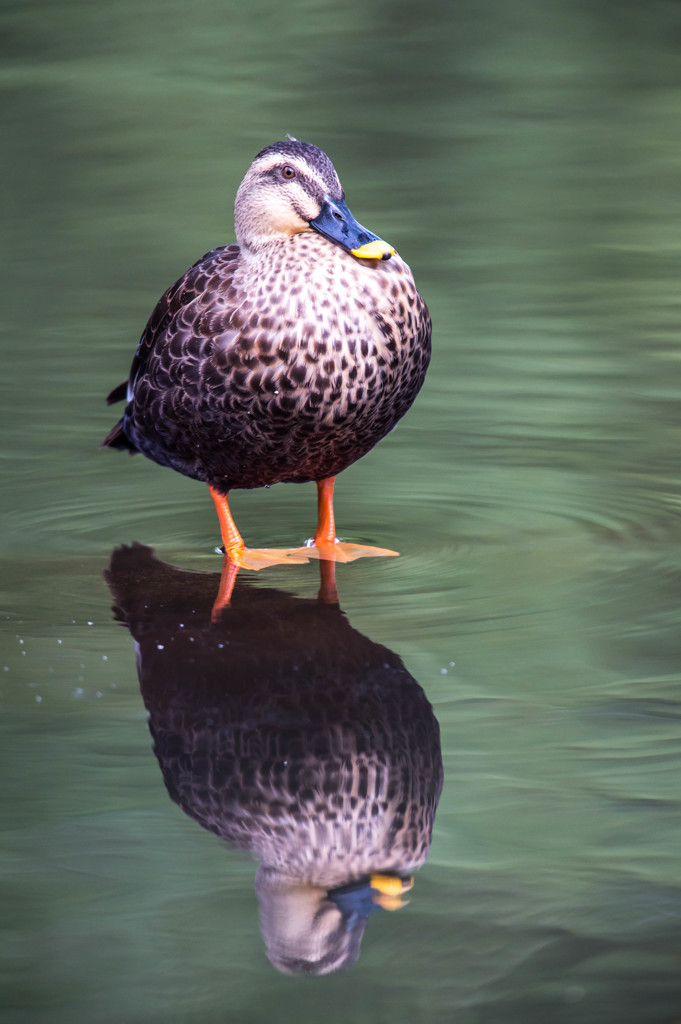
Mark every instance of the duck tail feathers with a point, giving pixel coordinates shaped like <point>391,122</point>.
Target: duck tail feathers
<point>118,394</point>
<point>117,438</point>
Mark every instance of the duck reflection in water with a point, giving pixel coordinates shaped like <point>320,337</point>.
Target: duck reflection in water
<point>287,733</point>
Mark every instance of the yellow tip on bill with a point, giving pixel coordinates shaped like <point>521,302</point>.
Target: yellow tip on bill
<point>390,885</point>
<point>378,250</point>
<point>389,902</point>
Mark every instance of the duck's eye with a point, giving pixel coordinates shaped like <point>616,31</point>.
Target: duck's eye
<point>288,171</point>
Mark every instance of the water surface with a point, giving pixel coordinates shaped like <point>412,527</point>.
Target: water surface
<point>524,160</point>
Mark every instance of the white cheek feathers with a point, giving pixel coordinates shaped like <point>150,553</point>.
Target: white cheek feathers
<point>267,216</point>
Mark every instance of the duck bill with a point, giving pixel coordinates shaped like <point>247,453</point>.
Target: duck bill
<point>336,223</point>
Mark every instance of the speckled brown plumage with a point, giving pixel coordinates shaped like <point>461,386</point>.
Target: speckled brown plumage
<point>284,361</point>
<point>289,734</point>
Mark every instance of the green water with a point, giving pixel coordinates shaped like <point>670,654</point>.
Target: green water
<point>524,158</point>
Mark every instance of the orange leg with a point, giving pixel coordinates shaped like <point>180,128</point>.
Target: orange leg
<point>231,538</point>
<point>328,594</point>
<point>326,547</point>
<point>236,550</point>
<point>325,534</point>
<point>230,571</point>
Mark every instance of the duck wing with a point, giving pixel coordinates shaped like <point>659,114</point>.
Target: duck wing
<point>195,282</point>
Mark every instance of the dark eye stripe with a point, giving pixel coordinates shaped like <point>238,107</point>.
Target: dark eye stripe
<point>306,184</point>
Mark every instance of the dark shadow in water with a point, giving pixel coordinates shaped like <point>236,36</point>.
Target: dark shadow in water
<point>287,733</point>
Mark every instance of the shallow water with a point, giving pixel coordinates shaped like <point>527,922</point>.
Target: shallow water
<point>525,162</point>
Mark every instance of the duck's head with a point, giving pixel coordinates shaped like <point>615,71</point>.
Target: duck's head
<point>292,187</point>
<point>312,930</point>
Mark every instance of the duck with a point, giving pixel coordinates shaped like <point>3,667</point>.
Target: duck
<point>283,358</point>
<point>291,736</point>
